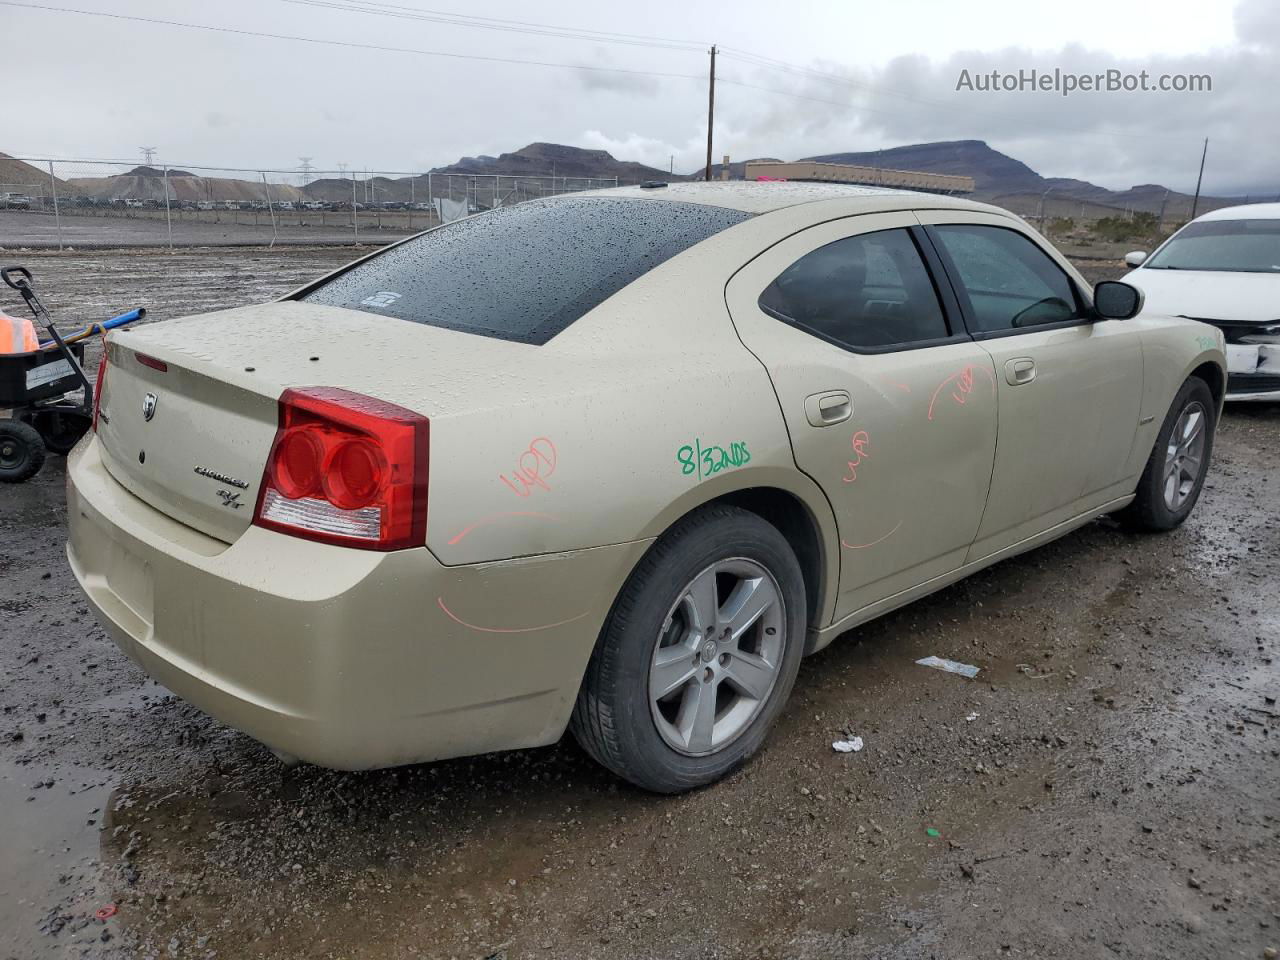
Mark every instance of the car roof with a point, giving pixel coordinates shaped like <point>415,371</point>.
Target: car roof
<point>751,196</point>
<point>1247,211</point>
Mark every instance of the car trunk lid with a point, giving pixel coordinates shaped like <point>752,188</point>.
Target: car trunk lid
<point>189,443</point>
<point>200,456</point>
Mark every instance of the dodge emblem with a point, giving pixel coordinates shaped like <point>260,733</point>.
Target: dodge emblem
<point>149,406</point>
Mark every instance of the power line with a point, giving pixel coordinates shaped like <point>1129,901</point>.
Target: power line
<point>527,23</point>
<point>382,9</point>
<point>344,43</point>
<point>743,56</point>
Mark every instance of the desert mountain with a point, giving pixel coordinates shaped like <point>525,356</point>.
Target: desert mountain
<point>543,159</point>
<point>999,177</point>
<point>19,177</point>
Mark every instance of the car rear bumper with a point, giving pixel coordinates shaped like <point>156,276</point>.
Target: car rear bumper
<point>346,658</point>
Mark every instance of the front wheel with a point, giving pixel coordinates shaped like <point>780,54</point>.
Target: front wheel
<point>1175,471</point>
<point>698,655</point>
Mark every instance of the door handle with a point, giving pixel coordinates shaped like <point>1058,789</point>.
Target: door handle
<point>1019,370</point>
<point>825,409</point>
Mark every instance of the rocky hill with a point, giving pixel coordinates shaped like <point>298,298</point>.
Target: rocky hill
<point>555,159</point>
<point>1003,180</point>
<point>19,177</point>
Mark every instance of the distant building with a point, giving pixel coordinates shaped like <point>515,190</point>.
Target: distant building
<point>863,176</point>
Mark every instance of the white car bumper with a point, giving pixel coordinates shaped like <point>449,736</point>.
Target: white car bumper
<point>1253,371</point>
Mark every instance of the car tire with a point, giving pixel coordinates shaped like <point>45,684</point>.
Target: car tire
<point>21,451</point>
<point>1171,482</point>
<point>686,608</point>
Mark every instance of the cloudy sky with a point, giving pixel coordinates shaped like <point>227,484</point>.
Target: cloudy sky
<point>841,75</point>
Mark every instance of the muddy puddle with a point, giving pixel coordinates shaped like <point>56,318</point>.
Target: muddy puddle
<point>51,877</point>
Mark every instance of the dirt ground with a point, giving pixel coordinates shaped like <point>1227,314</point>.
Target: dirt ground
<point>1108,786</point>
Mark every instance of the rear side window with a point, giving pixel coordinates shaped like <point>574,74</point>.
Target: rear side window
<point>525,272</point>
<point>871,291</point>
<point>1009,281</point>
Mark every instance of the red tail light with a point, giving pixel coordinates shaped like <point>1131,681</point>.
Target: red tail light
<point>97,390</point>
<point>151,362</point>
<point>347,469</point>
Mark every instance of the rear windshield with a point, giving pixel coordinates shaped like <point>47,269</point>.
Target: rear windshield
<point>524,272</point>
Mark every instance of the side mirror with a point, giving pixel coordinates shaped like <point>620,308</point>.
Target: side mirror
<point>1113,300</point>
<point>1135,258</point>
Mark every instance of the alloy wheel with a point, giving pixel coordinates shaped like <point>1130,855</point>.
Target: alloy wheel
<point>1184,457</point>
<point>717,657</point>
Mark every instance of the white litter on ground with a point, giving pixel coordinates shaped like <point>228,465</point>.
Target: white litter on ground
<point>847,746</point>
<point>949,666</point>
<point>971,717</point>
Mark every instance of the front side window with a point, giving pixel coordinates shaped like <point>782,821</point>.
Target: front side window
<point>870,291</point>
<point>1236,246</point>
<point>1010,282</point>
<point>525,272</point>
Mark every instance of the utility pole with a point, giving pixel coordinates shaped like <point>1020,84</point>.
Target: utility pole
<point>148,155</point>
<point>1196,202</point>
<point>711,110</point>
<point>304,169</point>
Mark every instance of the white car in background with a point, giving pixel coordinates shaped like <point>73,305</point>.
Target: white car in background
<point>1224,269</point>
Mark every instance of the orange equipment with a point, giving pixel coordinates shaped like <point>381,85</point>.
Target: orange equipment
<point>17,335</point>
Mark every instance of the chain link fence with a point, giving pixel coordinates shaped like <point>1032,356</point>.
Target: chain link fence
<point>88,203</point>
<point>1156,213</point>
<point>102,204</point>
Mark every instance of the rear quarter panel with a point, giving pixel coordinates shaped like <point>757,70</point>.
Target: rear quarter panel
<point>639,412</point>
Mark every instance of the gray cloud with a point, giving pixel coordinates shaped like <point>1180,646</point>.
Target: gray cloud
<point>397,111</point>
<point>596,80</point>
<point>1117,139</point>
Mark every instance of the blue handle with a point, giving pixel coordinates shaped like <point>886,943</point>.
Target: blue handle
<point>104,325</point>
<point>124,318</point>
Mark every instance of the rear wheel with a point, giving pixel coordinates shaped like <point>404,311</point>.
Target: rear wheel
<point>21,451</point>
<point>1175,471</point>
<point>698,655</point>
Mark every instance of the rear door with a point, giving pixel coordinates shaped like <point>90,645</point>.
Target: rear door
<point>1070,387</point>
<point>891,407</point>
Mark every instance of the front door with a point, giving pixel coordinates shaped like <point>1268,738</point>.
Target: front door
<point>891,407</point>
<point>1070,386</point>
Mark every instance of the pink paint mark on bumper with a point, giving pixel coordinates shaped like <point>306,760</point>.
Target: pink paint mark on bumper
<point>863,546</point>
<point>471,626</point>
<point>494,518</point>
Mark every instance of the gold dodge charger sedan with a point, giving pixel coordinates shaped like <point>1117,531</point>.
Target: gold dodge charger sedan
<point>612,462</point>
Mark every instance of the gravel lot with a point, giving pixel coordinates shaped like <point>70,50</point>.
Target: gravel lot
<point>1106,787</point>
